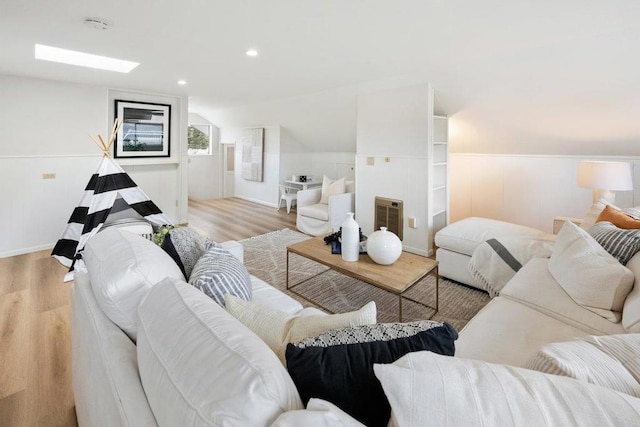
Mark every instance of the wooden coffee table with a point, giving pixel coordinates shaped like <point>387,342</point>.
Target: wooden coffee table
<point>397,278</point>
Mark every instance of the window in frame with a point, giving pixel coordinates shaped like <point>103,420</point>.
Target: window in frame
<point>199,140</point>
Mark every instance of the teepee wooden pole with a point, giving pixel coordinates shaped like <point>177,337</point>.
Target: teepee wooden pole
<point>114,132</point>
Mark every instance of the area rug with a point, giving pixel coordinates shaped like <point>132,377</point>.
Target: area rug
<point>265,258</point>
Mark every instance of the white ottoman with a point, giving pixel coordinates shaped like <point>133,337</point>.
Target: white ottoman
<point>456,243</point>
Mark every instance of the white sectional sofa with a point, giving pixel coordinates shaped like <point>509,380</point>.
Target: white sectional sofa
<point>183,338</point>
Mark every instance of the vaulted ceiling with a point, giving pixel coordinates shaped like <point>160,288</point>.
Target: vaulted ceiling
<point>550,69</point>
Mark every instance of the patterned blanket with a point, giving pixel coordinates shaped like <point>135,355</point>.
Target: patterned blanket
<point>496,261</point>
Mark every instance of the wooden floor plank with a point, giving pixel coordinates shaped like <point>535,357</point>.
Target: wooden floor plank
<point>15,329</point>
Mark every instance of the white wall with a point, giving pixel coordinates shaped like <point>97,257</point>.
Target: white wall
<point>205,171</point>
<point>44,127</point>
<point>334,165</point>
<point>394,123</point>
<point>265,192</point>
<point>525,189</point>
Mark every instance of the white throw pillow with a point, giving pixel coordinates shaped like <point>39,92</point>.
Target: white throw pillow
<point>589,274</point>
<point>427,389</point>
<point>612,361</point>
<point>123,267</point>
<point>330,188</point>
<point>319,413</point>
<point>631,310</point>
<point>277,328</point>
<point>592,214</point>
<point>200,367</point>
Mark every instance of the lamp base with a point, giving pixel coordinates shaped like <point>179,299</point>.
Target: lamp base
<point>607,195</point>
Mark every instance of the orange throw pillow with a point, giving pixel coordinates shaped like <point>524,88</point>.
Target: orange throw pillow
<point>619,219</point>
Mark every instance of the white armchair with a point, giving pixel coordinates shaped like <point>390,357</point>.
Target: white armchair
<point>317,218</point>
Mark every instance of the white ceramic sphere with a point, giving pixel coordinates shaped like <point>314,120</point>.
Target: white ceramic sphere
<point>384,247</point>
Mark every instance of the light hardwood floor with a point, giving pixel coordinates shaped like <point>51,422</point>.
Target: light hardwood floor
<point>35,313</point>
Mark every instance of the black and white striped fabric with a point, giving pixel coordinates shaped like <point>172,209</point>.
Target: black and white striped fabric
<point>109,193</point>
<point>218,272</point>
<point>621,244</point>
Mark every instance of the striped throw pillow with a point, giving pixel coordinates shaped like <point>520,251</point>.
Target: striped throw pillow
<point>610,361</point>
<point>621,244</point>
<point>218,272</point>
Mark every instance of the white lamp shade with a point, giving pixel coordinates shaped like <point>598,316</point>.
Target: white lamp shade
<point>614,176</point>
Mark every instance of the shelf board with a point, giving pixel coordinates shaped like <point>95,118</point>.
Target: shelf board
<point>440,143</point>
<point>440,164</point>
<point>440,187</point>
<point>440,212</point>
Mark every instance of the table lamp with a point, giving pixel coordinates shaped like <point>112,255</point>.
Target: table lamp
<point>605,178</point>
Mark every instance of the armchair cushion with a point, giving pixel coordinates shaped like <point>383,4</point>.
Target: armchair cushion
<point>331,187</point>
<point>317,211</point>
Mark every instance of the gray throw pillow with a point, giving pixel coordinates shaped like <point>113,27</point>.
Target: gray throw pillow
<point>189,245</point>
<point>621,244</point>
<point>218,272</point>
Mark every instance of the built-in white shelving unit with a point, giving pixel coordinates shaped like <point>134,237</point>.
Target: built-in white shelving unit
<point>439,164</point>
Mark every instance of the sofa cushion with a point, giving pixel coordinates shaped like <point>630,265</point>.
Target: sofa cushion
<point>200,366</point>
<point>612,361</point>
<point>621,244</point>
<point>338,365</point>
<point>218,272</point>
<point>331,187</point>
<point>427,389</point>
<point>618,218</point>
<point>465,236</point>
<point>277,328</point>
<point>589,274</point>
<point>318,211</point>
<point>264,293</point>
<point>506,331</point>
<point>123,267</point>
<point>631,310</point>
<point>534,286</point>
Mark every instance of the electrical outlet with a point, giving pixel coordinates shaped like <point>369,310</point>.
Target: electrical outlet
<point>412,222</point>
<point>49,175</point>
<point>387,159</point>
<point>371,161</point>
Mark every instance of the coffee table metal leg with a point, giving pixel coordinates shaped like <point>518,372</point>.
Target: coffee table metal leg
<point>437,290</point>
<point>287,274</point>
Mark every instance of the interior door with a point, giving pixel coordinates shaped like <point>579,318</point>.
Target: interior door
<point>229,170</point>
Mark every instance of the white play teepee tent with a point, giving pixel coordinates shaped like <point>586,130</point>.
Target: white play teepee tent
<point>111,194</point>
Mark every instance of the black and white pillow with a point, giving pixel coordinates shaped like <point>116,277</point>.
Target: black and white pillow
<point>621,244</point>
<point>218,272</point>
<point>337,365</point>
<point>186,247</point>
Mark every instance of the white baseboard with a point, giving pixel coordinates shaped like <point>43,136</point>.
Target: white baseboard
<point>417,251</point>
<point>260,202</point>
<point>23,251</point>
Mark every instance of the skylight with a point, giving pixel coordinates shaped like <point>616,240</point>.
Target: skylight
<point>65,56</point>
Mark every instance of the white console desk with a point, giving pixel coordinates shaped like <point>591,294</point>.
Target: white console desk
<point>304,185</point>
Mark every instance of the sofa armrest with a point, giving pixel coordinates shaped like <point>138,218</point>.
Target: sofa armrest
<point>106,383</point>
<point>235,248</point>
<point>339,205</point>
<point>309,197</point>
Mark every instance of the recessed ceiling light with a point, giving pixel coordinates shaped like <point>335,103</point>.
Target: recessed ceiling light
<point>72,57</point>
<point>182,82</point>
<point>252,52</point>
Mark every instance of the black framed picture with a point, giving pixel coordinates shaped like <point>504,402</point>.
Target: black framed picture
<point>144,131</point>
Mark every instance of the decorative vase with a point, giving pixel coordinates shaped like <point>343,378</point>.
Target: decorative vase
<point>384,247</point>
<point>350,239</point>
